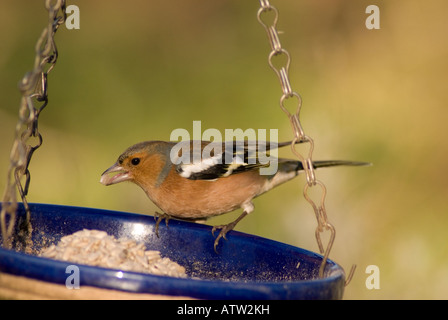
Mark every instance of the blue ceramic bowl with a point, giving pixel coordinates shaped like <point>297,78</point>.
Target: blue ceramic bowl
<point>246,267</point>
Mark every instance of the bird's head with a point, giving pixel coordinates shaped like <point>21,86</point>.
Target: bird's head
<point>133,164</point>
<point>125,169</point>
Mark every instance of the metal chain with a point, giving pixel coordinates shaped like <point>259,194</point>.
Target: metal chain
<point>299,135</point>
<point>33,87</point>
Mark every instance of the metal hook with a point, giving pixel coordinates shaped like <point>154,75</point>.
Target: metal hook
<point>350,275</point>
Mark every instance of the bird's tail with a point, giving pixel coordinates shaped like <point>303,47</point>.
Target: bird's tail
<point>297,166</point>
<point>288,169</point>
<point>333,163</point>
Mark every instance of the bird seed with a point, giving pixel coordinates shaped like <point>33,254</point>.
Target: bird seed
<point>97,248</point>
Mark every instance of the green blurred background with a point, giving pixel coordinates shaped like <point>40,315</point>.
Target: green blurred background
<point>136,70</point>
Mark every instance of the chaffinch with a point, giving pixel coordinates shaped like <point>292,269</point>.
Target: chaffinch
<point>189,184</point>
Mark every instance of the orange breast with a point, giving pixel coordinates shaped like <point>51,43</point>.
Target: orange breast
<point>195,199</point>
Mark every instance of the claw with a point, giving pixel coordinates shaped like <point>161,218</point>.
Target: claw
<point>160,217</point>
<point>222,234</point>
<point>225,228</point>
<point>214,229</point>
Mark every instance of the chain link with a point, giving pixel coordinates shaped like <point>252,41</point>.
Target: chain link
<point>34,99</point>
<point>299,135</point>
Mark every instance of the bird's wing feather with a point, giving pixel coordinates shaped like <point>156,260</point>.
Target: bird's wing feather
<point>213,160</point>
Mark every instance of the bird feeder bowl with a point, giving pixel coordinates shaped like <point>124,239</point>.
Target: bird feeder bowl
<point>245,267</point>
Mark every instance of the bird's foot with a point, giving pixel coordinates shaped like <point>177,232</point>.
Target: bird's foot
<point>222,234</point>
<point>159,217</point>
<point>226,228</point>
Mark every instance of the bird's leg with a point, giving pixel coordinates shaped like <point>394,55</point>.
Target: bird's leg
<point>160,217</point>
<point>226,228</point>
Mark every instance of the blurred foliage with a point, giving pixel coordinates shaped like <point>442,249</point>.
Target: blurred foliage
<point>136,70</point>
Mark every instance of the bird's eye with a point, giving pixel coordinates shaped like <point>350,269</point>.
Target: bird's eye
<point>135,161</point>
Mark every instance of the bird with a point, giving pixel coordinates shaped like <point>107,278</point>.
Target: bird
<point>195,180</point>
